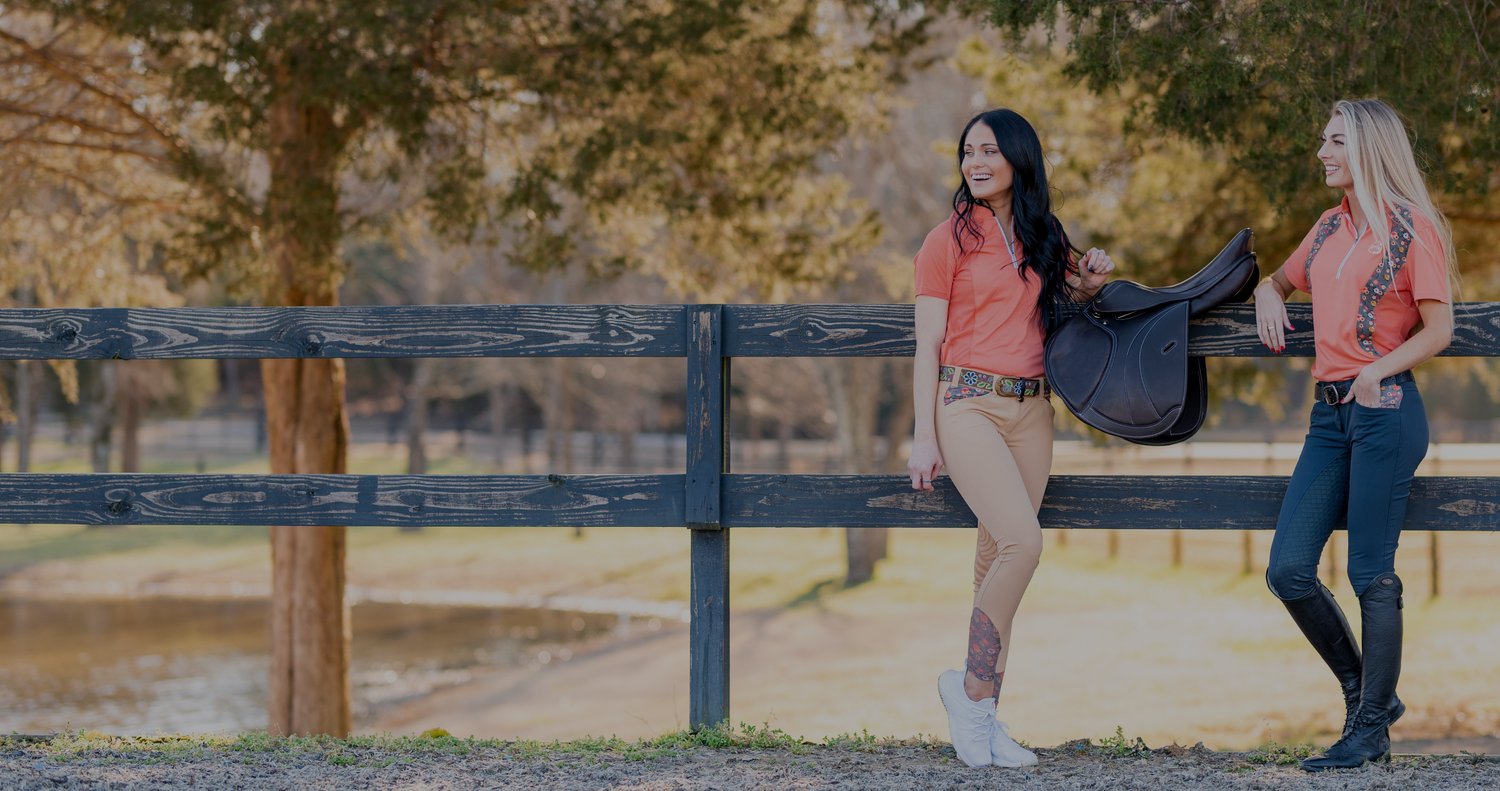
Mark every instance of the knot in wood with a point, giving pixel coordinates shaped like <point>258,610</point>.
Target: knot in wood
<point>312,346</point>
<point>65,333</point>
<point>118,507</point>
<point>556,480</point>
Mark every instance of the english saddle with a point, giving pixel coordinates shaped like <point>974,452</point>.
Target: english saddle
<point>1122,364</point>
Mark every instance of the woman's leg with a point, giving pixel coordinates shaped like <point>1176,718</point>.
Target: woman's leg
<point>998,452</point>
<point>1316,499</point>
<point>1388,444</point>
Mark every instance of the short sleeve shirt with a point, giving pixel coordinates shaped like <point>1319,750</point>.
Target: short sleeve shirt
<point>993,325</point>
<point>1365,284</point>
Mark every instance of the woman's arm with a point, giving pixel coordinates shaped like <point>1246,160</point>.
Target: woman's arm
<point>1435,335</point>
<point>1093,270</point>
<point>1271,318</point>
<point>932,324</point>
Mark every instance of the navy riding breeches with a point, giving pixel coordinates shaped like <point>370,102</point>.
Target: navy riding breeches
<point>1356,467</point>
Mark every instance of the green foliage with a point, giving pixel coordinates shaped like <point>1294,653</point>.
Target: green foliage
<point>1279,754</point>
<point>1262,77</point>
<point>1118,746</point>
<point>384,749</point>
<point>627,133</point>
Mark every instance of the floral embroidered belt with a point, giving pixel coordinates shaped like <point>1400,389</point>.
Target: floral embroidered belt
<point>1334,393</point>
<point>968,382</point>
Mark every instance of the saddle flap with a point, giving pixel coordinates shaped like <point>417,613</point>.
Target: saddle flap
<point>1124,376</point>
<point>1145,385</point>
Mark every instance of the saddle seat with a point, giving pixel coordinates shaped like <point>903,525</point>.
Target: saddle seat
<point>1121,365</point>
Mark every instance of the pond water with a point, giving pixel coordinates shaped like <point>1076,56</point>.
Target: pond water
<point>139,666</point>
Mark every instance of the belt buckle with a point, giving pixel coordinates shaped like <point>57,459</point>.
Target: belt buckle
<point>1331,394</point>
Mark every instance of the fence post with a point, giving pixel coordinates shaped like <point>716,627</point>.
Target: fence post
<point>707,458</point>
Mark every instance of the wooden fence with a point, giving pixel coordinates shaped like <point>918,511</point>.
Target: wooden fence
<point>707,499</point>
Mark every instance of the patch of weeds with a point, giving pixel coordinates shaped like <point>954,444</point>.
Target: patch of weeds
<point>861,742</point>
<point>727,737</point>
<point>1239,769</point>
<point>339,759</point>
<point>1118,746</point>
<point>1279,754</point>
<point>1472,758</point>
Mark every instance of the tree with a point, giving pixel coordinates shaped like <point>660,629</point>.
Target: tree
<point>571,131</point>
<point>1261,78</point>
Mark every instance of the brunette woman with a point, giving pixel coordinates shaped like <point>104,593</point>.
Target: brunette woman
<point>990,281</point>
<point>1380,271</point>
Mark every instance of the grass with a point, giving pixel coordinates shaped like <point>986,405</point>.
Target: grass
<point>1118,746</point>
<point>385,749</point>
<point>1280,754</point>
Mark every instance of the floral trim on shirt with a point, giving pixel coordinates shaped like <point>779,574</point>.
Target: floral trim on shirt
<point>1327,229</point>
<point>1383,278</point>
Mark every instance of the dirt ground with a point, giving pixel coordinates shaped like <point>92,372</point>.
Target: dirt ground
<point>912,765</point>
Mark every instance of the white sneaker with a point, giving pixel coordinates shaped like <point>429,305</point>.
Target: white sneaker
<point>969,721</point>
<point>1004,751</point>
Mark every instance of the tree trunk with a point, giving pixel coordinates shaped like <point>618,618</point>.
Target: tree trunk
<point>416,415</point>
<point>854,384</point>
<point>497,424</point>
<point>131,407</point>
<point>307,427</point>
<point>101,412</point>
<point>902,418</point>
<point>25,413</point>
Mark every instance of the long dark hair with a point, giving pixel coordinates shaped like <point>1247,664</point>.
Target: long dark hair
<point>1049,254</point>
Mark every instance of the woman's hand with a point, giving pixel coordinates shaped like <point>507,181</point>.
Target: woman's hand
<point>1271,320</point>
<point>924,463</point>
<point>1365,390</point>
<point>1093,270</point>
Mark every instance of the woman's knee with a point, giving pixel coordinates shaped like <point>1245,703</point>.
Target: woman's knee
<point>1028,548</point>
<point>1289,581</point>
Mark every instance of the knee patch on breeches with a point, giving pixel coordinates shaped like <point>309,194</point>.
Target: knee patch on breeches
<point>1293,568</point>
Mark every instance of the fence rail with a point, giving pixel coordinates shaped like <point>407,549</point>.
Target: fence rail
<point>706,498</point>
<point>826,330</point>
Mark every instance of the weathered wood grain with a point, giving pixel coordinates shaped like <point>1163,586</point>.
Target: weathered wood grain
<point>819,330</point>
<point>707,461</point>
<point>567,331</point>
<point>708,629</point>
<point>707,393</point>
<point>837,330</point>
<point>365,500</point>
<point>1115,502</point>
<point>400,331</point>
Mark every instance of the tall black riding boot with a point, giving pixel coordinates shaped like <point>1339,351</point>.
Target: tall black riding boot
<point>1323,624</point>
<point>1367,737</point>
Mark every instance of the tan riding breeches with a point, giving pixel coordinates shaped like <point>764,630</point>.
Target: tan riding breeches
<point>998,451</point>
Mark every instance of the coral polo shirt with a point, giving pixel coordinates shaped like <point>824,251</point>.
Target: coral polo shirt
<point>1365,283</point>
<point>993,324</point>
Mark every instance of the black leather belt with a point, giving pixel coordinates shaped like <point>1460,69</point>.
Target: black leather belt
<point>1333,393</point>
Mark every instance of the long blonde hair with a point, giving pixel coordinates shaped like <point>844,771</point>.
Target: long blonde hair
<point>1386,175</point>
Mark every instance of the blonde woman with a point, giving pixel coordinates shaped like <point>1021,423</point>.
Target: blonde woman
<point>1378,267</point>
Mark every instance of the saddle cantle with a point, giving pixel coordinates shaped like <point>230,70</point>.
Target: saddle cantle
<point>1121,365</point>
